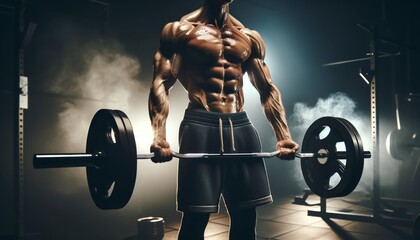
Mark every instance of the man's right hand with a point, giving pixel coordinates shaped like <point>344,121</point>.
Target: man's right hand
<point>162,151</point>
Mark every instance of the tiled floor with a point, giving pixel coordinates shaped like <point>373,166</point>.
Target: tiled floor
<point>285,220</point>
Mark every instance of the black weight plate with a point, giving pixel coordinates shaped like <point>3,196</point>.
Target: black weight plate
<point>111,183</point>
<point>359,160</point>
<point>130,170</point>
<point>317,175</point>
<point>395,144</point>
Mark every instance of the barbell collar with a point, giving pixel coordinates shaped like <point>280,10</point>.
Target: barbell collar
<point>308,155</point>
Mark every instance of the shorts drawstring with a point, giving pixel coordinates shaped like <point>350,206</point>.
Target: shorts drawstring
<point>232,135</point>
<point>222,149</point>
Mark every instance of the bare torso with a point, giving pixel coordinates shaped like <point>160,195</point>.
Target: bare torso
<point>208,51</point>
<point>211,73</point>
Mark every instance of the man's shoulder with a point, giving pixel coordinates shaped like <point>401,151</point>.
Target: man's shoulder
<point>254,36</point>
<point>258,46</point>
<point>173,29</point>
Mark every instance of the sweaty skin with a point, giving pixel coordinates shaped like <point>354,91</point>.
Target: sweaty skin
<point>208,51</point>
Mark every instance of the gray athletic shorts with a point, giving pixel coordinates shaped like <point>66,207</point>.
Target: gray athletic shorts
<point>241,181</point>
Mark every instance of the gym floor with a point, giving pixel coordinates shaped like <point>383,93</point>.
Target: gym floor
<point>285,220</point>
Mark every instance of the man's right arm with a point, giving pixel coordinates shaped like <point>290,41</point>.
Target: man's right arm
<point>162,82</point>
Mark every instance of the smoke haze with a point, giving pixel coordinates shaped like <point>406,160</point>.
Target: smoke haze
<point>107,77</point>
<point>109,80</point>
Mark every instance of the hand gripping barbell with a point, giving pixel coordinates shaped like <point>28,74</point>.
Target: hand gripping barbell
<point>111,158</point>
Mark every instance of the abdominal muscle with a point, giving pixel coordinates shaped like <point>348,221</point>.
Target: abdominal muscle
<point>214,101</point>
<point>212,93</point>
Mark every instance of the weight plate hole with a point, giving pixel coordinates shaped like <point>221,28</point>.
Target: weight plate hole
<point>105,193</point>
<point>334,180</point>
<point>111,188</point>
<point>110,136</point>
<point>324,133</point>
<point>340,146</point>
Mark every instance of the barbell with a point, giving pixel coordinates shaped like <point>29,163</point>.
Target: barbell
<point>111,158</point>
<point>401,143</point>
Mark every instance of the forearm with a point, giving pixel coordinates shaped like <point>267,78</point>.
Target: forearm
<point>158,109</point>
<point>270,98</point>
<point>159,95</point>
<point>275,113</point>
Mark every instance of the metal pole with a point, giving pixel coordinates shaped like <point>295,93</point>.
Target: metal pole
<point>375,128</point>
<point>19,129</point>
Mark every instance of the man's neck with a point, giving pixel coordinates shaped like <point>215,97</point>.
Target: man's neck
<point>216,14</point>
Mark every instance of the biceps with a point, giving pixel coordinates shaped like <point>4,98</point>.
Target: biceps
<point>162,76</point>
<point>259,76</point>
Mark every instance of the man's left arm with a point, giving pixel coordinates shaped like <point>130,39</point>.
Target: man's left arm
<point>270,96</point>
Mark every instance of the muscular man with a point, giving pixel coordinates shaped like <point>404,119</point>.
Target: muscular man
<point>208,51</point>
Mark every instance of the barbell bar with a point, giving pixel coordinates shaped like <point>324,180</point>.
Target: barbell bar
<point>91,160</point>
<point>111,158</point>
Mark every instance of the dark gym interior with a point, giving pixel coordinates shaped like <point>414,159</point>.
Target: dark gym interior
<point>63,60</point>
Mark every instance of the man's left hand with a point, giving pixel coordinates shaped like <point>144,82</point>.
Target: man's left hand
<point>287,148</point>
